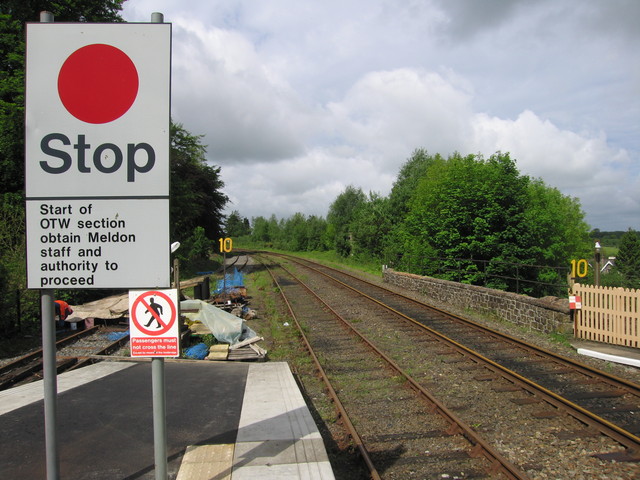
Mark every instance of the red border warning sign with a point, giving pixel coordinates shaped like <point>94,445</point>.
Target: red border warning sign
<point>153,323</point>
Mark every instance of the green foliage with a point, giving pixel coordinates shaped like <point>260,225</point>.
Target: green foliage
<point>64,10</point>
<point>464,218</point>
<point>11,104</point>
<point>317,239</point>
<point>608,240</point>
<point>237,226</point>
<point>200,247</point>
<point>468,207</point>
<point>410,174</point>
<point>19,306</point>
<point>196,196</point>
<point>297,233</point>
<point>342,213</point>
<point>372,220</point>
<point>294,231</point>
<point>265,231</point>
<point>628,259</point>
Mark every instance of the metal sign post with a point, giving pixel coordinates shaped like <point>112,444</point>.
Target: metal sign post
<point>50,373</point>
<point>159,418</point>
<point>50,381</point>
<point>154,332</point>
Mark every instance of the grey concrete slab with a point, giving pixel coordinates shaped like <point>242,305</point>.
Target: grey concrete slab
<point>277,437</point>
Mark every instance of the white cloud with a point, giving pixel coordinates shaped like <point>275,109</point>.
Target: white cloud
<point>299,99</point>
<point>580,165</point>
<point>223,91</point>
<point>389,114</point>
<point>543,150</point>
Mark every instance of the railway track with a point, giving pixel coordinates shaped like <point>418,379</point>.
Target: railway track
<point>400,447</point>
<point>587,416</point>
<point>73,351</point>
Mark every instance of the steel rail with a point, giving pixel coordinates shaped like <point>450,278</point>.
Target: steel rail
<point>342,413</point>
<point>38,353</point>
<point>64,363</point>
<point>611,379</point>
<point>84,360</point>
<point>620,435</point>
<point>479,446</point>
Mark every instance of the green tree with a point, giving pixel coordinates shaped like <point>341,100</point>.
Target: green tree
<point>469,207</point>
<point>370,226</point>
<point>236,225</point>
<point>554,232</point>
<point>260,230</point>
<point>341,214</point>
<point>483,217</point>
<point>196,188</point>
<point>199,247</point>
<point>265,231</point>
<point>317,233</point>
<point>628,259</point>
<point>413,170</point>
<point>17,304</point>
<point>295,236</point>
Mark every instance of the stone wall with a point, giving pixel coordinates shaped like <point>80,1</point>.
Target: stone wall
<point>548,314</point>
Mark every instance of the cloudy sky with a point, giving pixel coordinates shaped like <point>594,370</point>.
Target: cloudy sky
<point>297,99</point>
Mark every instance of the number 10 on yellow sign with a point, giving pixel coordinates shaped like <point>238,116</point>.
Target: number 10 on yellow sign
<point>579,268</point>
<point>226,245</point>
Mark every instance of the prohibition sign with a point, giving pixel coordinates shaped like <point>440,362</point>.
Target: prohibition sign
<point>165,326</point>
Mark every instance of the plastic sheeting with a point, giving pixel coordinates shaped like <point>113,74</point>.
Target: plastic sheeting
<point>231,280</point>
<point>227,328</point>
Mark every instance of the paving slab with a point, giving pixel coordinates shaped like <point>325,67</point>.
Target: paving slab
<point>277,437</point>
<point>207,462</point>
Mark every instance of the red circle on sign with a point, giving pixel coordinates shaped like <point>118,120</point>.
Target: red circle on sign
<point>98,83</point>
<point>141,299</point>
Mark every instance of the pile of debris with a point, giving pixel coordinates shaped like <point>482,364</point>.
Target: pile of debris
<point>222,313</point>
<point>236,341</point>
<point>245,350</point>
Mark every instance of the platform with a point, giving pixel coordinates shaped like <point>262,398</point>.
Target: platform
<point>225,420</point>
<point>604,351</point>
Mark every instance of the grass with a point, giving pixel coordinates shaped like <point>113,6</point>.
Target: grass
<point>560,338</point>
<point>331,257</point>
<point>369,266</point>
<point>283,340</point>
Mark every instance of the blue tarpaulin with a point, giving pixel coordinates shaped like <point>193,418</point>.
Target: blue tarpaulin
<point>230,281</point>
<point>197,352</point>
<point>113,336</point>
